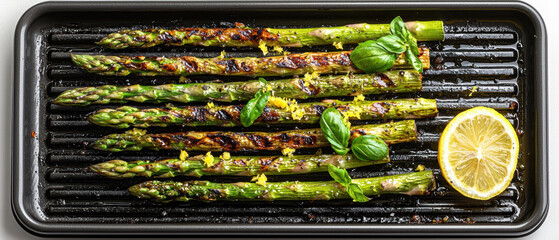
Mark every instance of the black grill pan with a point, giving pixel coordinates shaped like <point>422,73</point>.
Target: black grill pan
<point>499,47</point>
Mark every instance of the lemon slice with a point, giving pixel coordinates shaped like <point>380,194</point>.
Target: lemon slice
<point>478,152</point>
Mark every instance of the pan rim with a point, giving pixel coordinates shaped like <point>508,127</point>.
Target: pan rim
<point>527,226</point>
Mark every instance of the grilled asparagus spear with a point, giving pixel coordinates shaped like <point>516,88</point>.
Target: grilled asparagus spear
<point>353,33</point>
<point>292,64</point>
<point>135,140</point>
<point>228,116</point>
<point>298,88</point>
<point>235,165</point>
<point>415,183</point>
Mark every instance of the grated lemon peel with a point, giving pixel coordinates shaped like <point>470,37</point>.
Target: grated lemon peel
<point>338,45</point>
<point>260,179</point>
<point>183,155</point>
<point>210,105</point>
<point>288,151</point>
<point>359,98</point>
<point>209,159</point>
<point>263,47</point>
<point>225,156</point>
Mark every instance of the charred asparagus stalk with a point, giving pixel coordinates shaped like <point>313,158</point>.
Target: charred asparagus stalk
<point>292,64</point>
<point>135,140</point>
<point>415,183</point>
<point>228,116</point>
<point>298,88</point>
<point>235,165</point>
<point>353,33</point>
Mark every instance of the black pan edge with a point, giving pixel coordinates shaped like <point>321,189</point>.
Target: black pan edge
<point>23,147</point>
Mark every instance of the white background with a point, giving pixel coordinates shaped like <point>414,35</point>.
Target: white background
<point>13,9</point>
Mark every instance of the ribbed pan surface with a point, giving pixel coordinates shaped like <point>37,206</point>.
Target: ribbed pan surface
<point>489,55</point>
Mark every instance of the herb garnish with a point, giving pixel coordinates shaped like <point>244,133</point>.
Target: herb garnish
<point>379,55</point>
<point>341,176</point>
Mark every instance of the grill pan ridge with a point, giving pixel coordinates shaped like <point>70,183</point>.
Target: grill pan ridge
<point>498,47</point>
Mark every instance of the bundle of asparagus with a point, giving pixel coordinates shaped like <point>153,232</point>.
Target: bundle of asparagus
<point>288,37</point>
<point>397,51</point>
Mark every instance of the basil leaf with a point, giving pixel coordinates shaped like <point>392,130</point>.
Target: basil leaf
<point>339,175</point>
<point>370,57</point>
<point>356,193</point>
<point>412,43</point>
<point>254,108</point>
<point>369,148</point>
<point>398,28</point>
<point>414,61</point>
<point>263,82</point>
<point>335,131</point>
<point>342,177</point>
<point>392,43</point>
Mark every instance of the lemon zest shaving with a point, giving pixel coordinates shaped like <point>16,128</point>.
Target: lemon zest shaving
<point>297,114</point>
<point>359,98</point>
<point>278,49</point>
<point>210,105</point>
<point>315,75</point>
<point>260,179</point>
<point>183,155</point>
<point>209,159</point>
<point>289,105</point>
<point>277,102</point>
<point>136,131</point>
<point>474,89</point>
<point>263,47</point>
<point>292,105</point>
<point>338,45</point>
<point>225,156</point>
<point>353,113</point>
<point>308,77</point>
<point>420,168</point>
<point>288,151</point>
<point>346,119</point>
<point>222,54</point>
<point>294,108</point>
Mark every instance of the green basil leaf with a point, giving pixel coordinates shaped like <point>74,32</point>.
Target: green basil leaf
<point>370,57</point>
<point>342,177</point>
<point>254,108</point>
<point>392,43</point>
<point>398,28</point>
<point>356,193</point>
<point>414,61</point>
<point>335,131</point>
<point>263,82</point>
<point>369,148</point>
<point>339,175</point>
<point>339,150</point>
<point>412,43</point>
